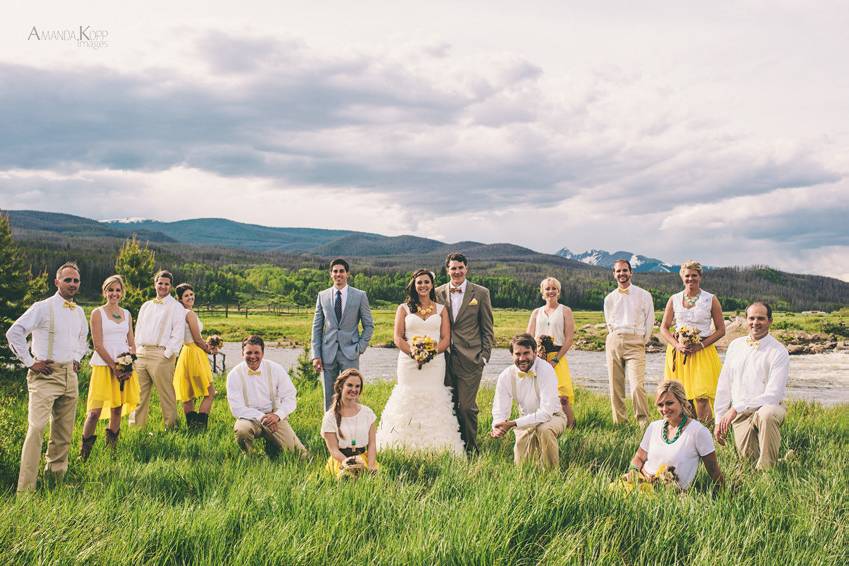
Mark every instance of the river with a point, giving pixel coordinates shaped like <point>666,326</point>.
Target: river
<point>817,377</point>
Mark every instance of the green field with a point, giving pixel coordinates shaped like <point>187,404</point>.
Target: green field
<point>180,498</point>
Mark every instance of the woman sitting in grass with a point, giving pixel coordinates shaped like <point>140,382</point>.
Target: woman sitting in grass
<point>349,428</point>
<point>672,446</point>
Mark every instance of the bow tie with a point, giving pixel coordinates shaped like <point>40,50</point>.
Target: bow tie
<point>69,305</point>
<point>751,342</point>
<point>524,374</point>
<point>158,301</point>
<point>456,289</point>
<point>624,291</point>
<point>252,372</point>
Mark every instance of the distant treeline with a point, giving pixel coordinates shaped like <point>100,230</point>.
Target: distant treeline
<point>231,276</point>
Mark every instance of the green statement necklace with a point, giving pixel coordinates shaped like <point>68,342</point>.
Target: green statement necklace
<point>665,430</point>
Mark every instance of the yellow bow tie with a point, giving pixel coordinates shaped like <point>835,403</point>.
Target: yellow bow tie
<point>524,374</point>
<point>158,301</point>
<point>624,291</point>
<point>751,342</point>
<point>456,289</point>
<point>252,372</point>
<point>69,305</point>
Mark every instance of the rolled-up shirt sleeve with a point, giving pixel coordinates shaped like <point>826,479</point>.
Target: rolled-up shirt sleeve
<point>177,331</point>
<point>287,395</point>
<point>722,402</point>
<point>649,314</point>
<point>18,332</point>
<point>549,402</point>
<point>776,385</point>
<point>502,402</point>
<point>82,339</point>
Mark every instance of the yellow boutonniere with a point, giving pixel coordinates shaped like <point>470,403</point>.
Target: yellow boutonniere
<point>473,302</point>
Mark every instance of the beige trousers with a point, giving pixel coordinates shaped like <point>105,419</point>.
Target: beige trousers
<point>538,444</point>
<point>626,357</point>
<point>51,398</point>
<point>153,369</point>
<point>757,434</point>
<point>284,438</point>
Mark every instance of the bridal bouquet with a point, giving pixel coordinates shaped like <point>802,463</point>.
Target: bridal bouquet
<point>124,367</point>
<point>422,349</point>
<point>686,336</point>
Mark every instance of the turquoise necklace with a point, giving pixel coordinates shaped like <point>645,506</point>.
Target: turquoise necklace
<point>665,431</point>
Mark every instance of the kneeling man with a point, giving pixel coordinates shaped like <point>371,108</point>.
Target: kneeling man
<point>262,397</point>
<point>751,388</point>
<point>532,383</point>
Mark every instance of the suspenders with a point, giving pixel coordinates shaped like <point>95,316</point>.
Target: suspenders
<point>270,391</point>
<point>515,391</point>
<point>51,330</point>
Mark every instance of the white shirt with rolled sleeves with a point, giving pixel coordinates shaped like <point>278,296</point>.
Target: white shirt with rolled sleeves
<point>70,338</point>
<point>534,409</point>
<point>161,325</point>
<point>259,398</point>
<point>631,312</point>
<point>752,376</point>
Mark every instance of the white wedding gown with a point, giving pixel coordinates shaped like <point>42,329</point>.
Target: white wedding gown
<point>419,416</point>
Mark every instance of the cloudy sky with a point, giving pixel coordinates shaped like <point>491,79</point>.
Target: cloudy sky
<point>715,131</point>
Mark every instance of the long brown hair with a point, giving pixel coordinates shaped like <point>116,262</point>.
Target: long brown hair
<point>337,395</point>
<point>411,296</point>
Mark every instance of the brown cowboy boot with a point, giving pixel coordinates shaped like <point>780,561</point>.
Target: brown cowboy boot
<point>87,445</point>
<point>112,439</point>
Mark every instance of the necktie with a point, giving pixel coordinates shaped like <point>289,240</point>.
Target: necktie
<point>524,374</point>
<point>158,301</point>
<point>337,306</point>
<point>69,305</point>
<point>456,289</point>
<point>752,342</point>
<point>624,291</point>
<point>252,372</point>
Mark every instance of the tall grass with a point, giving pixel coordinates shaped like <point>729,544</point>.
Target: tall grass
<point>177,497</point>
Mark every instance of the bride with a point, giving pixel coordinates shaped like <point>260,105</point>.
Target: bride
<point>419,415</point>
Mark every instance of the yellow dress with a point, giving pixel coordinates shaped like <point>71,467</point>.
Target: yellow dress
<point>193,374</point>
<point>699,375</point>
<point>104,392</point>
<point>334,466</point>
<point>564,378</point>
<point>553,325</point>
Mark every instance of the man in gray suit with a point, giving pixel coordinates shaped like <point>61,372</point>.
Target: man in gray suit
<point>336,338</point>
<point>472,338</point>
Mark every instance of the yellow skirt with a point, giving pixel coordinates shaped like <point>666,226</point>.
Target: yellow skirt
<point>699,375</point>
<point>104,392</point>
<point>334,466</point>
<point>564,378</point>
<point>193,374</point>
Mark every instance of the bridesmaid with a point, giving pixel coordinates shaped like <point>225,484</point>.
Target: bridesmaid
<point>695,308</point>
<point>555,319</point>
<point>112,335</point>
<point>193,374</point>
<point>349,428</point>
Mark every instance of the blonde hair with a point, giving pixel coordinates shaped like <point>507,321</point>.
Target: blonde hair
<point>546,280</point>
<point>675,389</point>
<point>690,264</point>
<point>109,281</point>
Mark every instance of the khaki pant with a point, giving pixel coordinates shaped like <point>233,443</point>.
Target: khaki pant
<point>153,369</point>
<point>757,434</point>
<point>51,397</point>
<point>284,438</point>
<point>626,357</point>
<point>538,444</point>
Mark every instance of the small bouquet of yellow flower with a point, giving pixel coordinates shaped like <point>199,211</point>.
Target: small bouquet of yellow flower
<point>686,336</point>
<point>124,368</point>
<point>422,349</point>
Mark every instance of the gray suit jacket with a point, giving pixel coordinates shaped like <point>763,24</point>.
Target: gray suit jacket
<point>328,336</point>
<point>472,335</point>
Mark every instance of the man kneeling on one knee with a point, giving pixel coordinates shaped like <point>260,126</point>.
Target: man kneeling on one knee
<point>532,383</point>
<point>751,388</point>
<point>262,397</point>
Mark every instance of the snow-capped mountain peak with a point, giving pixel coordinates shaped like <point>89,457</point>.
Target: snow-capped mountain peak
<point>603,258</point>
<point>127,220</point>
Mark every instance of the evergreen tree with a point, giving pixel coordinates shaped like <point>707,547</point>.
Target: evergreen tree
<point>136,265</point>
<point>14,277</point>
<point>38,288</point>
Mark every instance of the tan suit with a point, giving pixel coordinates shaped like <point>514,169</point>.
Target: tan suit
<point>472,339</point>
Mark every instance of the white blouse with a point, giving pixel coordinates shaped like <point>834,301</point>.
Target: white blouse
<point>551,324</point>
<point>698,316</point>
<point>114,335</point>
<point>188,338</point>
<point>694,443</point>
<point>355,429</point>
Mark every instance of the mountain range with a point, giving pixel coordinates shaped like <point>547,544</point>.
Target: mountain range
<point>603,258</point>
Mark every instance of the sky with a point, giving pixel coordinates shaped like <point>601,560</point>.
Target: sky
<point>677,130</point>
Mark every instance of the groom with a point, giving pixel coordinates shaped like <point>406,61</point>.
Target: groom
<point>470,314</point>
<point>336,339</point>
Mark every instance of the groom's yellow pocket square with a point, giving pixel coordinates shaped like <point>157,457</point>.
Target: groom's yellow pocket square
<point>473,302</point>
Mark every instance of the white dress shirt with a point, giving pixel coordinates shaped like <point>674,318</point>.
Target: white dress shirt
<point>752,376</point>
<point>259,398</point>
<point>70,332</point>
<point>534,408</point>
<point>630,313</point>
<point>457,298</point>
<point>161,324</point>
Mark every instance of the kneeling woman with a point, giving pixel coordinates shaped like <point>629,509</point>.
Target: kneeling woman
<point>348,427</point>
<point>112,335</point>
<point>193,374</point>
<point>672,446</point>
